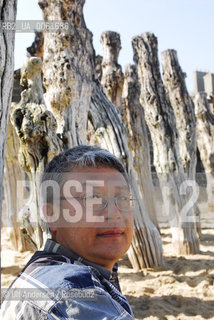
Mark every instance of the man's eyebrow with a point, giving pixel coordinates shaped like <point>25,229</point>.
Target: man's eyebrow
<point>90,183</point>
<point>123,188</point>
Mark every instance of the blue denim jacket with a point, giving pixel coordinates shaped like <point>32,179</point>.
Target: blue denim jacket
<point>58,284</point>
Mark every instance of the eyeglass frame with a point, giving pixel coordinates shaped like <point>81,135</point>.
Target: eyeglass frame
<point>84,198</point>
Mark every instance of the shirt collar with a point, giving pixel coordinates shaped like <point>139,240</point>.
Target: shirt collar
<point>54,247</point>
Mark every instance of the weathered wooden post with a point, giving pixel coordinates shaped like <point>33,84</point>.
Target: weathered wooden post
<point>36,129</point>
<point>161,122</point>
<point>112,75</point>
<point>7,38</point>
<point>134,118</point>
<point>205,140</point>
<point>184,111</point>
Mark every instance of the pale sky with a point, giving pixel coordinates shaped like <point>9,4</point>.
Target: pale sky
<point>184,25</point>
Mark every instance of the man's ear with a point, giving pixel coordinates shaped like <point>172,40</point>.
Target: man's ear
<point>49,216</point>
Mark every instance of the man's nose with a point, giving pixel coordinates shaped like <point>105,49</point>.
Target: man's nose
<point>113,213</point>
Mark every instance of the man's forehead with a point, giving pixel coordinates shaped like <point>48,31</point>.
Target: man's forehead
<point>102,178</point>
<point>111,175</point>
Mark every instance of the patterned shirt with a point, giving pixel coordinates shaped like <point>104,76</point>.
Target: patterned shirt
<point>58,284</point>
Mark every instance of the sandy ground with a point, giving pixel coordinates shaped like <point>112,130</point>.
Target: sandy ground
<point>182,289</point>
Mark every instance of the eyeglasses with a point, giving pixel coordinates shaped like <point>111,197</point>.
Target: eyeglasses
<point>123,203</point>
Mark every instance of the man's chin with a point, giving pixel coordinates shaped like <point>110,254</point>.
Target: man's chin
<point>111,254</point>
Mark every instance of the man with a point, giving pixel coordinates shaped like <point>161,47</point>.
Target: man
<point>86,202</point>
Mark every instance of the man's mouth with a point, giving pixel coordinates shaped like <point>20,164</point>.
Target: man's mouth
<point>111,233</point>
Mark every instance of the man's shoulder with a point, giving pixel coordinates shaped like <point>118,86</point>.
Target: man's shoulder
<point>56,271</point>
<point>43,283</point>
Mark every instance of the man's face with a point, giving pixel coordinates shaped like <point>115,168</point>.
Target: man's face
<point>99,231</point>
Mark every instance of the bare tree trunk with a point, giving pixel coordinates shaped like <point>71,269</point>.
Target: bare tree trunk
<point>112,75</point>
<point>160,119</point>
<point>134,118</point>
<point>205,140</point>
<point>8,13</point>
<point>184,111</point>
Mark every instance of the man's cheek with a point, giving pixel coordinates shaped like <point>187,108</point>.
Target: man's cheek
<point>129,219</point>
